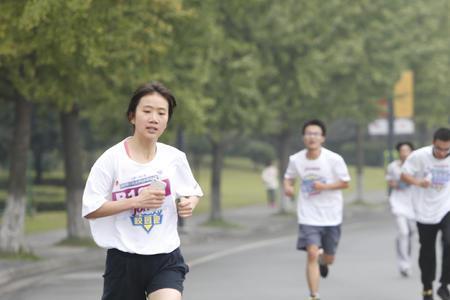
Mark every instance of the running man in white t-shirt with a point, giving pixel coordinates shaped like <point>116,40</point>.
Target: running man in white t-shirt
<point>400,200</point>
<point>133,196</point>
<point>428,169</point>
<point>323,174</point>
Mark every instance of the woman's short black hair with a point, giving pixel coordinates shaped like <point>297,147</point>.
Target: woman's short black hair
<point>400,144</point>
<point>148,89</point>
<point>317,123</point>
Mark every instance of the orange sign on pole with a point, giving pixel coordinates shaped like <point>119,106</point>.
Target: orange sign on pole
<point>404,96</point>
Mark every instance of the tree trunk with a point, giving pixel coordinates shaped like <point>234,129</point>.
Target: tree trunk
<point>76,225</point>
<point>38,166</point>
<point>283,159</point>
<point>196,164</point>
<point>12,227</point>
<point>216,179</point>
<point>359,162</point>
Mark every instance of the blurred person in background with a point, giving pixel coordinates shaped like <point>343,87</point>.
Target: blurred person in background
<point>402,208</point>
<point>269,176</point>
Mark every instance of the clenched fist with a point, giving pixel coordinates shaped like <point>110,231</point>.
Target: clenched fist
<point>186,205</point>
<point>150,197</point>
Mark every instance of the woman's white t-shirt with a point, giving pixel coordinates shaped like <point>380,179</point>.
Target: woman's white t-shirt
<point>318,208</point>
<point>116,177</point>
<point>433,203</point>
<point>400,197</point>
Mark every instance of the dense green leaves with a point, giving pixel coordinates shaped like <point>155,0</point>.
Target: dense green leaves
<point>78,51</point>
<point>237,68</point>
<point>237,64</point>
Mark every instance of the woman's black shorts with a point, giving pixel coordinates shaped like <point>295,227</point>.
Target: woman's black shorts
<point>132,276</point>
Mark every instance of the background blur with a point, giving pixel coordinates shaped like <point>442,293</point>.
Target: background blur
<point>246,75</point>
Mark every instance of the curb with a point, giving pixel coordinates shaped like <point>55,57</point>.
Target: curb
<point>15,278</point>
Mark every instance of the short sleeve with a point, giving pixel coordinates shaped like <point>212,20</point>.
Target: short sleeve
<point>390,172</point>
<point>98,185</point>
<point>411,165</point>
<point>291,170</point>
<point>341,170</point>
<point>184,183</point>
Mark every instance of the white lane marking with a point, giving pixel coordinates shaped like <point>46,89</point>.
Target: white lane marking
<point>220,254</point>
<point>260,244</point>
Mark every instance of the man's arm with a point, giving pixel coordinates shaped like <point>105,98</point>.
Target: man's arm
<point>338,185</point>
<point>393,184</point>
<point>415,181</point>
<point>289,188</point>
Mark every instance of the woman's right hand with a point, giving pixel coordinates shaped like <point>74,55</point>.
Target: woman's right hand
<point>150,197</point>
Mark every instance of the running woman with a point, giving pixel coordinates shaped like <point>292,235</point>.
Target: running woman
<point>133,196</point>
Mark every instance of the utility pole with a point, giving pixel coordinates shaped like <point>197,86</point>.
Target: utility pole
<point>390,136</point>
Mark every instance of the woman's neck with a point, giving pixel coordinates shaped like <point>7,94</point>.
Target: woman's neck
<point>141,150</point>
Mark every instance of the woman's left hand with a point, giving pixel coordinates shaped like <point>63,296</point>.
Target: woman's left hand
<point>186,206</point>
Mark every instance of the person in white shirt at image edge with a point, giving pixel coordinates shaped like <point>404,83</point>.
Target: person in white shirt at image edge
<point>269,176</point>
<point>323,174</point>
<point>400,199</point>
<point>428,170</point>
<point>133,196</point>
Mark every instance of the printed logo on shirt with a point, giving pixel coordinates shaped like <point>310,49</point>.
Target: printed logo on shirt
<point>440,177</point>
<point>135,190</point>
<point>148,219</point>
<point>307,186</point>
<point>139,181</point>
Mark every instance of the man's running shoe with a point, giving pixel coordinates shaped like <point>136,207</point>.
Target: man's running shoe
<point>404,273</point>
<point>443,292</point>
<point>323,270</point>
<point>427,295</point>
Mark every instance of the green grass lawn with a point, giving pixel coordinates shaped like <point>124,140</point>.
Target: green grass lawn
<point>241,186</point>
<point>45,221</point>
<point>373,179</point>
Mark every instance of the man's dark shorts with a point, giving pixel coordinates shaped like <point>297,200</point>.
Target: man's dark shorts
<point>133,276</point>
<point>325,237</point>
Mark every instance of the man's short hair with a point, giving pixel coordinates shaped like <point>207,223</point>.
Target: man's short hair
<point>317,123</point>
<point>442,134</point>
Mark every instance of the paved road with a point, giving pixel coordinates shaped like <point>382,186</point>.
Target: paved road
<point>364,270</point>
<point>263,268</point>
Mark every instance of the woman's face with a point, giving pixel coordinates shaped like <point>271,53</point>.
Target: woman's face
<point>151,116</point>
